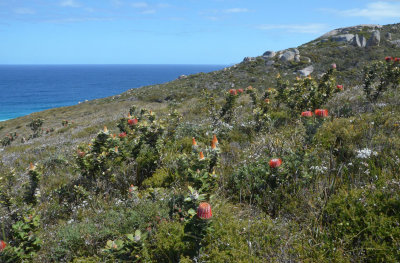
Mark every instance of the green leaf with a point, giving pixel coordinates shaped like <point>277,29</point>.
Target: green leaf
<point>130,237</point>
<point>192,212</point>
<point>138,235</point>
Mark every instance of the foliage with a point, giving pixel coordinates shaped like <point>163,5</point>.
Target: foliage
<point>380,76</point>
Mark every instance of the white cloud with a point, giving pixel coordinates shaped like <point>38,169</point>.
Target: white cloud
<point>295,28</point>
<point>139,5</point>
<point>375,10</point>
<point>70,3</point>
<point>148,12</point>
<point>78,19</point>
<point>24,11</point>
<point>236,10</point>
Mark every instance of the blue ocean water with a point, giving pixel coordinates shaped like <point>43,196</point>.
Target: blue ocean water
<point>29,88</point>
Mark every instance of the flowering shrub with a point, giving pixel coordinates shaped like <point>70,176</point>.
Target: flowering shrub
<point>380,76</point>
<point>35,126</point>
<point>306,93</point>
<point>25,242</point>
<point>32,191</point>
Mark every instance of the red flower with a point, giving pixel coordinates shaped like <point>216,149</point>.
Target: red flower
<point>204,211</point>
<point>131,188</point>
<point>122,135</point>
<point>213,145</point>
<point>132,121</point>
<point>240,90</point>
<point>194,143</point>
<point>396,59</point>
<point>266,101</point>
<point>215,140</point>
<point>201,156</point>
<point>321,113</point>
<point>339,87</point>
<point>2,245</point>
<point>233,92</point>
<point>334,66</point>
<point>275,163</point>
<point>306,114</point>
<point>388,59</point>
<point>80,153</point>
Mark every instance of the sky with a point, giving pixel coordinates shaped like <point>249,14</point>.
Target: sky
<point>171,31</point>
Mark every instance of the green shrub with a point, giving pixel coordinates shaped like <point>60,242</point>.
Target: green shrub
<point>363,223</point>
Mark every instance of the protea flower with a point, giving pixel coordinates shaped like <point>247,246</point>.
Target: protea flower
<point>321,113</point>
<point>240,90</point>
<point>80,153</point>
<point>388,59</point>
<point>233,92</point>
<point>266,101</point>
<point>31,167</point>
<point>275,163</point>
<point>132,121</point>
<point>131,189</point>
<point>122,135</point>
<point>204,211</point>
<point>201,156</point>
<point>306,114</point>
<point>334,65</point>
<point>339,87</point>
<point>2,245</point>
<point>215,140</point>
<point>194,143</point>
<point>249,88</point>
<point>396,59</point>
<point>213,145</point>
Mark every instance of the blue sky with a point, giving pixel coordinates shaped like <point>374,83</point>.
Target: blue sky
<point>171,32</point>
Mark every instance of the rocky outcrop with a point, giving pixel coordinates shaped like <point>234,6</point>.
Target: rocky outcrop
<point>345,30</point>
<point>359,41</point>
<point>306,71</point>
<point>287,56</point>
<point>297,58</point>
<point>343,38</point>
<point>375,39</point>
<point>269,54</point>
<point>396,42</point>
<point>388,36</point>
<point>249,59</point>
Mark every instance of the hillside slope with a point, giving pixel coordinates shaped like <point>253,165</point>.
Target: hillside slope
<point>287,181</point>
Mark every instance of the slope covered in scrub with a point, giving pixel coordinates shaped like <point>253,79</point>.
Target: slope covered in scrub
<point>247,164</point>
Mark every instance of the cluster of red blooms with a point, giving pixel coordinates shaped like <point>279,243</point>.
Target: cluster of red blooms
<point>214,143</point>
<point>318,112</point>
<point>132,121</point>
<point>234,92</point>
<point>2,245</point>
<point>388,59</point>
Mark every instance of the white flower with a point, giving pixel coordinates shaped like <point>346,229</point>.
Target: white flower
<point>365,153</point>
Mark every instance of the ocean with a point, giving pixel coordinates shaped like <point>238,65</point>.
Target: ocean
<point>30,88</point>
